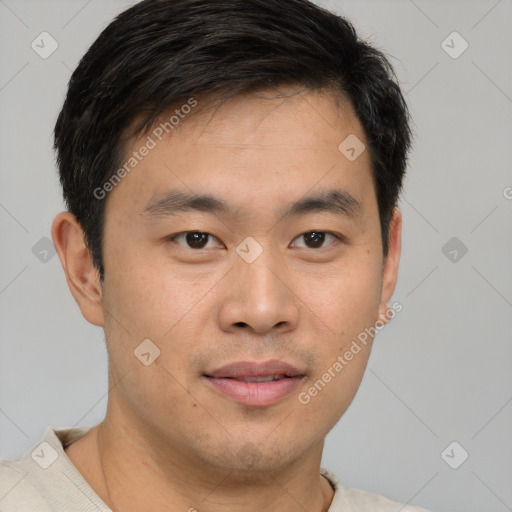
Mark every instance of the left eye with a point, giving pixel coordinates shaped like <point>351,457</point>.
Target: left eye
<point>315,239</point>
<point>194,239</point>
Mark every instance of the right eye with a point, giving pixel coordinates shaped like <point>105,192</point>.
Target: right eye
<point>193,239</point>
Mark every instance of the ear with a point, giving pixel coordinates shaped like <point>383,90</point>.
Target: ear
<point>82,277</point>
<point>391,263</point>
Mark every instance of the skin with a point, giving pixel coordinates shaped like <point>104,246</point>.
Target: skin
<point>168,441</point>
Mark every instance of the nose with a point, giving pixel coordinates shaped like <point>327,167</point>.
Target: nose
<point>259,296</point>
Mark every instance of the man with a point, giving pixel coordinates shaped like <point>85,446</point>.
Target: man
<point>231,171</point>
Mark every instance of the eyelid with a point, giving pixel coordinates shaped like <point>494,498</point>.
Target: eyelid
<point>337,237</point>
<point>182,233</point>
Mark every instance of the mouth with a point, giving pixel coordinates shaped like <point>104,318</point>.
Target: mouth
<point>269,378</point>
<point>255,384</point>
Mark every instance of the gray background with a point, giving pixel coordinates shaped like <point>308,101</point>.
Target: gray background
<point>440,372</point>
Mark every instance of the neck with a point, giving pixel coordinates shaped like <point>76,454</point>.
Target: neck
<point>130,471</point>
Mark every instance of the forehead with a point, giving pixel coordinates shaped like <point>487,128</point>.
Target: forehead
<point>249,145</point>
<point>279,119</point>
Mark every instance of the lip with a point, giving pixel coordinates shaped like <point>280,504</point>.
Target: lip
<point>242,369</point>
<point>227,381</point>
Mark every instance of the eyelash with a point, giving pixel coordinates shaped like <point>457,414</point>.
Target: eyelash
<point>184,233</point>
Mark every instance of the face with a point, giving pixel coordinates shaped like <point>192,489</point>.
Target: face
<point>274,276</point>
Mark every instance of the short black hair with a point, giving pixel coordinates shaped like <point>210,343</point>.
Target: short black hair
<point>160,52</point>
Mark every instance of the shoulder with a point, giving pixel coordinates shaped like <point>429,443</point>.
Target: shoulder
<point>41,477</point>
<point>17,493</point>
<point>351,499</point>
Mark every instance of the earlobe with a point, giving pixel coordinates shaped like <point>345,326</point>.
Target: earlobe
<point>391,264</point>
<point>81,275</point>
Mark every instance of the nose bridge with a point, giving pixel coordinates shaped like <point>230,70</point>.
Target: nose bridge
<point>259,278</point>
<point>260,297</point>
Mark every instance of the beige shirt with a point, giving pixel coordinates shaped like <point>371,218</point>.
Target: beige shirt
<point>44,479</point>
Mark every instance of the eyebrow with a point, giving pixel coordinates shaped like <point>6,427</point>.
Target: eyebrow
<point>337,201</point>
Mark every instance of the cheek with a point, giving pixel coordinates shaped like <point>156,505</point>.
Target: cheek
<point>146,305</point>
<point>150,296</point>
<point>150,300</point>
<point>346,300</point>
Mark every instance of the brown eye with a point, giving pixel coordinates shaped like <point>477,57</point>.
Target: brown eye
<point>315,239</point>
<point>193,239</point>
<point>196,240</point>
